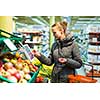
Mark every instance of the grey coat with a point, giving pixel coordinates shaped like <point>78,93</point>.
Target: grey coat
<point>68,49</point>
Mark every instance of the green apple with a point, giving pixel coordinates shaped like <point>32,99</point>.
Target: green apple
<point>26,70</point>
<point>27,76</point>
<point>13,61</point>
<point>19,65</point>
<point>23,81</point>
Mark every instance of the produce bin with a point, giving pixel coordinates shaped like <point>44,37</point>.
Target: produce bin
<point>34,76</point>
<point>32,80</point>
<point>5,79</point>
<point>6,35</point>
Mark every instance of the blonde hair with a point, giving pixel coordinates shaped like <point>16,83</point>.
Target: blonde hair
<point>61,25</point>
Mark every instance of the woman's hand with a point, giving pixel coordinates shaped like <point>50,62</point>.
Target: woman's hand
<point>62,60</point>
<point>36,53</point>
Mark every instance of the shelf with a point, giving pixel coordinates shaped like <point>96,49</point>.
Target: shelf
<point>29,42</point>
<point>94,53</point>
<point>93,74</point>
<point>34,33</point>
<point>94,43</point>
<point>94,33</point>
<point>94,63</point>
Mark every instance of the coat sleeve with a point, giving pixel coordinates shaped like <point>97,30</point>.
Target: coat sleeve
<point>76,61</point>
<point>47,60</point>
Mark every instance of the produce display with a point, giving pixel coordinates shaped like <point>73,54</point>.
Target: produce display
<point>45,71</point>
<point>16,69</point>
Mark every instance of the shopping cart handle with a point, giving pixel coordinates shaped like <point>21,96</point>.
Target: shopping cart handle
<point>85,63</point>
<point>88,64</point>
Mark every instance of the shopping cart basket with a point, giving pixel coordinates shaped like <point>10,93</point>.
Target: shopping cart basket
<point>82,79</point>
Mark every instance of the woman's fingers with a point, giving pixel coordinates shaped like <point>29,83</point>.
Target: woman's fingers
<point>36,53</point>
<point>62,60</point>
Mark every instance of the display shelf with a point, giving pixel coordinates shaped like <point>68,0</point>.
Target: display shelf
<point>93,53</point>
<point>94,33</point>
<point>34,39</point>
<point>31,42</point>
<point>94,43</point>
<point>94,74</point>
<point>94,63</point>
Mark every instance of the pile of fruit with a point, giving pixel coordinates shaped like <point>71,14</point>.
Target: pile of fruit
<point>15,68</point>
<point>45,71</point>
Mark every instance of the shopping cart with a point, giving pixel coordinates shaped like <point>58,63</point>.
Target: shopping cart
<point>76,78</point>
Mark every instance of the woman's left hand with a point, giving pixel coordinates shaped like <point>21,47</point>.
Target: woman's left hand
<point>62,60</point>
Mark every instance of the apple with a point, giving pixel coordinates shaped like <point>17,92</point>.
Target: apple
<point>31,68</point>
<point>37,80</point>
<point>1,69</point>
<point>20,59</point>
<point>8,65</point>
<point>25,65</point>
<point>27,76</point>
<point>41,78</point>
<point>35,67</point>
<point>6,74</point>
<point>13,61</point>
<point>0,73</point>
<point>19,65</point>
<point>6,60</point>
<point>1,63</point>
<point>13,79</point>
<point>17,54</point>
<point>21,74</point>
<point>12,71</point>
<point>27,61</point>
<point>17,75</point>
<point>23,81</point>
<point>26,70</point>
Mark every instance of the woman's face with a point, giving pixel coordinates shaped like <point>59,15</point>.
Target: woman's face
<point>57,32</point>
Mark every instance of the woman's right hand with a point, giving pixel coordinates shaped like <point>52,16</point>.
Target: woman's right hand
<point>36,53</point>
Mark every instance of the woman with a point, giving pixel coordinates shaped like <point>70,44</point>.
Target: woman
<point>65,54</point>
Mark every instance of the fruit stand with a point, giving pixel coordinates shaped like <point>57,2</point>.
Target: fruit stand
<point>15,67</point>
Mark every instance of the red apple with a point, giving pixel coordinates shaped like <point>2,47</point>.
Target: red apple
<point>20,59</point>
<point>12,71</point>
<point>8,65</point>
<point>31,68</point>
<point>1,69</point>
<point>21,74</point>
<point>37,80</point>
<point>1,63</point>
<point>35,67</point>
<point>13,79</point>
<point>41,78</point>
<point>17,75</point>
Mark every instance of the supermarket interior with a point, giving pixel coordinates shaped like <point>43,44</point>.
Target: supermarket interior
<point>20,36</point>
